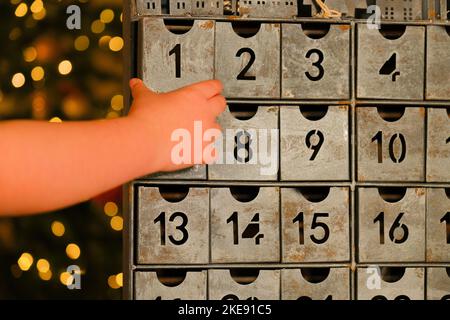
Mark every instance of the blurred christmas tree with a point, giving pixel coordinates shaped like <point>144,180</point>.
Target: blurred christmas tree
<point>49,72</point>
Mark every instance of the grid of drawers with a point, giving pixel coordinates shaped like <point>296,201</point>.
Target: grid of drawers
<point>358,207</point>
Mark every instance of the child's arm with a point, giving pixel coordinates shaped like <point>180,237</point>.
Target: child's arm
<point>45,166</point>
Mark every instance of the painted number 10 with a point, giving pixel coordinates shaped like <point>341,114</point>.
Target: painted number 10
<point>378,138</point>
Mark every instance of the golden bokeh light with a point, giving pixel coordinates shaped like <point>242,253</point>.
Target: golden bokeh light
<point>119,279</point>
<point>58,228</point>
<point>40,15</point>
<point>46,276</point>
<point>43,265</point>
<point>57,120</point>
<point>65,67</point>
<point>25,261</point>
<point>117,102</point>
<point>111,209</point>
<point>37,6</point>
<point>37,73</point>
<point>116,44</point>
<point>18,80</point>
<point>117,223</point>
<point>112,282</point>
<point>21,10</point>
<point>107,16</point>
<point>73,251</point>
<point>30,54</point>
<point>81,43</point>
<point>112,115</point>
<point>97,26</point>
<point>104,41</point>
<point>66,278</point>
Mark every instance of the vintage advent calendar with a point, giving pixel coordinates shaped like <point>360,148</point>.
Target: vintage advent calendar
<point>361,184</point>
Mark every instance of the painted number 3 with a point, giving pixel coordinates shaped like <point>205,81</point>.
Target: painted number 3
<point>317,64</point>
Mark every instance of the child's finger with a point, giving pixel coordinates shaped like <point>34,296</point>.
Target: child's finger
<point>138,88</point>
<point>217,104</point>
<point>209,88</point>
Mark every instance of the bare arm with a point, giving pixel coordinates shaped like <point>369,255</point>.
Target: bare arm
<point>45,166</point>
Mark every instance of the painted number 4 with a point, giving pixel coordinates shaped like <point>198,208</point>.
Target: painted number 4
<point>250,232</point>
<point>389,68</point>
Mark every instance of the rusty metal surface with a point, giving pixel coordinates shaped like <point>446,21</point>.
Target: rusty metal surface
<point>238,167</point>
<point>411,285</point>
<point>438,145</point>
<point>233,56</point>
<point>336,285</point>
<point>438,63</point>
<point>195,206</point>
<point>267,8</point>
<point>346,7</point>
<point>152,7</point>
<point>222,285</point>
<point>401,10</point>
<point>438,283</point>
<point>149,287</point>
<point>315,68</point>
<point>401,80</point>
<point>314,245</point>
<point>381,159</point>
<point>393,243</point>
<point>407,90</point>
<point>438,222</point>
<point>255,237</point>
<point>159,54</point>
<point>329,135</point>
<point>207,7</point>
<point>180,7</point>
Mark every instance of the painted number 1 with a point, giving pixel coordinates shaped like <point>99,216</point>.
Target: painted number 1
<point>177,52</point>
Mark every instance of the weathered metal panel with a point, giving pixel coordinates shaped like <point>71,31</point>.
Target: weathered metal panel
<point>172,232</point>
<point>390,69</point>
<point>315,231</point>
<point>169,60</point>
<point>390,150</point>
<point>245,231</point>
<point>314,149</point>
<point>149,287</point>
<point>222,286</point>
<point>248,67</point>
<point>389,230</point>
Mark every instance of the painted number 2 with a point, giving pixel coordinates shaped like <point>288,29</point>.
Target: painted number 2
<point>243,74</point>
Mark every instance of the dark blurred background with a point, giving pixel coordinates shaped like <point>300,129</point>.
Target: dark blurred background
<point>51,73</point>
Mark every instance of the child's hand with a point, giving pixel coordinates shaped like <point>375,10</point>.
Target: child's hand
<point>158,115</point>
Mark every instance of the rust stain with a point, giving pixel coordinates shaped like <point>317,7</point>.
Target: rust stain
<point>207,25</point>
<point>420,191</point>
<point>344,27</point>
<point>343,107</point>
<point>344,102</point>
<point>233,18</point>
<point>422,112</point>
